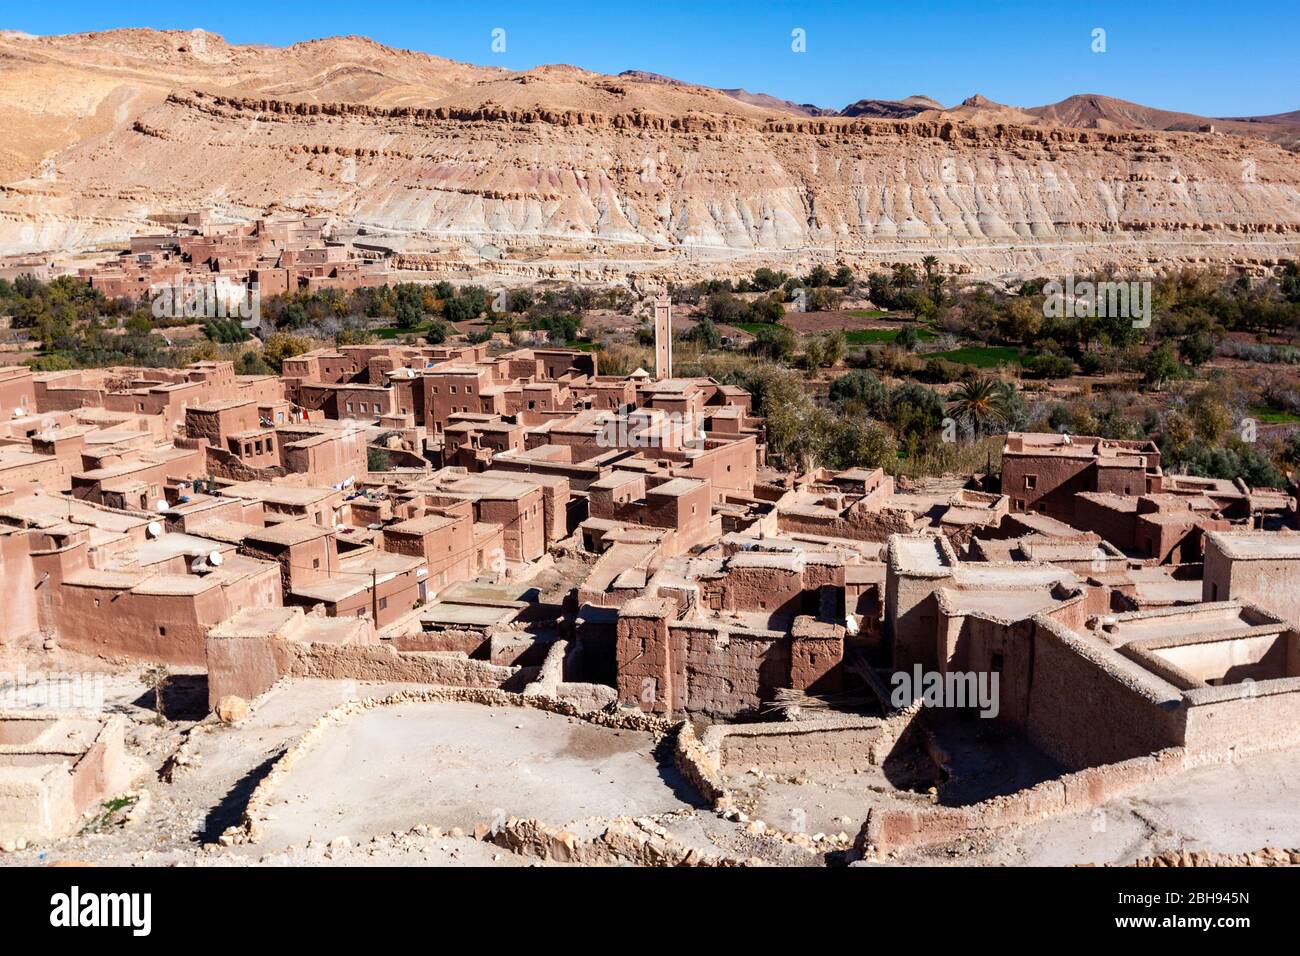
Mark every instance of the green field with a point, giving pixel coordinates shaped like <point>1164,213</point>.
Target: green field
<point>864,336</point>
<point>1271,416</point>
<point>981,356</point>
<point>867,313</point>
<point>393,331</point>
<point>752,327</point>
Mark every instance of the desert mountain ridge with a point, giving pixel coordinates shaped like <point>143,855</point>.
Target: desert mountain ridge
<point>564,168</point>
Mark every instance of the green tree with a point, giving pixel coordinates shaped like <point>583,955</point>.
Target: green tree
<point>915,410</point>
<point>1160,366</point>
<point>280,346</point>
<point>775,342</point>
<point>1196,349</point>
<point>862,389</point>
<point>706,333</point>
<point>409,311</point>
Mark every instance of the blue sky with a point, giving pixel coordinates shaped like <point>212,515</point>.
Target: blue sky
<point>1213,58</point>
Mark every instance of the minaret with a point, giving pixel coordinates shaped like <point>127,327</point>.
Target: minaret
<point>663,337</point>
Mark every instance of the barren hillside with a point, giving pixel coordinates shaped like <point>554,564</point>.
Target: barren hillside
<point>570,170</point>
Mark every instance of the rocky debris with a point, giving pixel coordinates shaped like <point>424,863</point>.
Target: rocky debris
<point>1268,856</point>
<point>231,709</point>
<point>641,841</point>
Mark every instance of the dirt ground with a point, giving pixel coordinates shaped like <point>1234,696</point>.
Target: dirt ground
<point>461,765</point>
<point>1229,808</point>
<point>843,320</point>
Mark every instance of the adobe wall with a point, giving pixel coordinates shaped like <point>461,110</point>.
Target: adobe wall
<point>816,656</point>
<point>726,677</point>
<point>1235,720</point>
<point>394,598</point>
<point>550,683</point>
<point>644,654</point>
<point>224,464</point>
<point>839,744</point>
<point>378,662</point>
<point>21,616</point>
<point>772,589</point>
<point>1116,526</point>
<point>248,666</point>
<point>867,741</point>
<point>858,523</point>
<point>522,522</point>
<point>46,782</point>
<point>168,628</point>
<point>975,642</point>
<point>1057,479</point>
<point>1272,585</point>
<point>911,619</point>
<point>729,466</point>
<point>1089,705</point>
<point>889,830</point>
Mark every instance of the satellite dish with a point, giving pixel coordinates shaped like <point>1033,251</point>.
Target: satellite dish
<point>154,529</point>
<point>161,505</point>
<point>215,559</point>
<point>198,564</point>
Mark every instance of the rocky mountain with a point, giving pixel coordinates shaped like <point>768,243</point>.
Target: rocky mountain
<point>578,174</point>
<point>1090,111</point>
<point>891,109</point>
<point>762,100</point>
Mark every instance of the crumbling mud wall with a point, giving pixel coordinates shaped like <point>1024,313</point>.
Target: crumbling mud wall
<point>249,829</point>
<point>856,523</point>
<point>247,667</point>
<point>702,760</point>
<point>376,662</point>
<point>834,744</point>
<point>888,830</point>
<point>550,682</point>
<point>55,766</point>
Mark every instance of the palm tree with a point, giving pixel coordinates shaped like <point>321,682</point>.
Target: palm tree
<point>979,403</point>
<point>933,281</point>
<point>904,277</point>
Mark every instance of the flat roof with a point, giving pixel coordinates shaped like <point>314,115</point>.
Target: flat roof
<point>676,487</point>
<point>473,615</point>
<point>288,532</point>
<point>422,525</point>
<point>920,553</point>
<point>221,404</point>
<point>1256,545</point>
<point>281,494</point>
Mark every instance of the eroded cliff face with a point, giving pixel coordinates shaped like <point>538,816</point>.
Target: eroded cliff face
<point>603,193</point>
